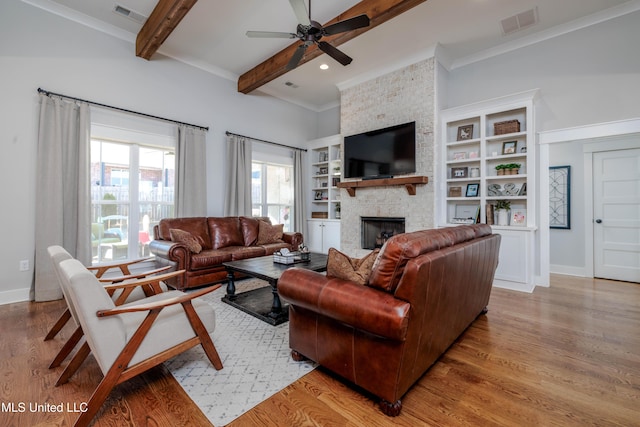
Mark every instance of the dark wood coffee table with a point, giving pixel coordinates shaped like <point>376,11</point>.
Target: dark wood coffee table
<point>255,302</point>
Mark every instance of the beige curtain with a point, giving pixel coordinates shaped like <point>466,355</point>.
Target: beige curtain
<point>191,173</point>
<point>63,195</point>
<point>299,211</point>
<point>238,196</point>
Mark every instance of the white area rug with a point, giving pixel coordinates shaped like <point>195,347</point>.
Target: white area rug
<point>255,356</point>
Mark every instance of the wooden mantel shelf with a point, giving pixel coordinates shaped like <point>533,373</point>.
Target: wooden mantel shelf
<point>409,182</point>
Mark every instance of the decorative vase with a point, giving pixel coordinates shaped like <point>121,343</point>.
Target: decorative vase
<point>503,216</point>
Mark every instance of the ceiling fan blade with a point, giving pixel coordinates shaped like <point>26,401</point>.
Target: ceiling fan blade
<point>347,25</point>
<point>300,9</point>
<point>336,54</point>
<point>271,34</point>
<point>297,56</point>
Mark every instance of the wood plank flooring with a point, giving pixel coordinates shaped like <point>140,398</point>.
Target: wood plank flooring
<point>564,355</point>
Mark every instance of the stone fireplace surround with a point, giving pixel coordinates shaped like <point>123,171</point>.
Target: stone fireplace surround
<point>401,96</point>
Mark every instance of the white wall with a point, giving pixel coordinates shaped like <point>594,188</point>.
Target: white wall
<point>39,49</point>
<point>585,77</point>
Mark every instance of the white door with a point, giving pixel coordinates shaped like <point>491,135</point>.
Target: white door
<point>331,236</point>
<point>616,205</point>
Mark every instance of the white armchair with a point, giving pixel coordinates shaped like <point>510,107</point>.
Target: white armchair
<point>130,339</point>
<point>120,295</point>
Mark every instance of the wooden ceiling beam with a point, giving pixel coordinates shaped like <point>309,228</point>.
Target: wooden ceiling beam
<point>163,20</point>
<point>378,11</point>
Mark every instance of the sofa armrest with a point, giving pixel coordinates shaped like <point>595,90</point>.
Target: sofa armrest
<point>361,307</point>
<point>293,238</point>
<point>177,253</point>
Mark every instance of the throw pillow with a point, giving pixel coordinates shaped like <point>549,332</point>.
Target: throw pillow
<point>268,233</point>
<point>356,270</point>
<point>187,239</point>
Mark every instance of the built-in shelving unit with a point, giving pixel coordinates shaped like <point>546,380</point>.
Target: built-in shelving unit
<point>475,140</point>
<point>326,169</point>
<point>325,166</point>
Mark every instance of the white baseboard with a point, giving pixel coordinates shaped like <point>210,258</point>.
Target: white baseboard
<point>568,270</point>
<point>514,286</point>
<point>15,295</point>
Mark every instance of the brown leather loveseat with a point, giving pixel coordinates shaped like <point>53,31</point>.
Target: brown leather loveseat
<point>221,239</point>
<point>425,289</point>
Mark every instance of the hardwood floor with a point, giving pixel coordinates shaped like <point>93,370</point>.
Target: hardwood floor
<point>564,355</point>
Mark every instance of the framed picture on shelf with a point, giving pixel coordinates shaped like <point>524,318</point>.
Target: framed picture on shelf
<point>509,147</point>
<point>318,195</point>
<point>465,214</point>
<point>518,217</point>
<point>465,132</point>
<point>455,191</point>
<point>472,190</point>
<point>459,172</point>
<point>323,171</point>
<point>460,155</point>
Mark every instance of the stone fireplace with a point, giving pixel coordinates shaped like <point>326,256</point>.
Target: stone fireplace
<point>401,96</point>
<point>375,231</point>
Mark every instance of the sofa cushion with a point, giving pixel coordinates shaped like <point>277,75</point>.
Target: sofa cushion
<point>210,258</point>
<point>268,233</point>
<point>344,267</point>
<point>271,248</point>
<point>197,226</point>
<point>249,228</point>
<point>399,249</point>
<point>186,238</point>
<point>225,232</point>
<point>245,252</point>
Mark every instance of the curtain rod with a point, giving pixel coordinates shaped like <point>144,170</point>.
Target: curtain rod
<point>47,93</point>
<point>267,142</point>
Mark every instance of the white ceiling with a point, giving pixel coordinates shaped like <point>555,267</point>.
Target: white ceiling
<point>212,35</point>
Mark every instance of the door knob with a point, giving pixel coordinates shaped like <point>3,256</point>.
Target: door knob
<point>598,221</point>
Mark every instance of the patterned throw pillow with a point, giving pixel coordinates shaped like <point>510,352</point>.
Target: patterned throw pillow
<point>186,238</point>
<point>356,270</point>
<point>268,233</point>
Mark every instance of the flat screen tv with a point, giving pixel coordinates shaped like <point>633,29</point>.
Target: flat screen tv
<point>381,153</point>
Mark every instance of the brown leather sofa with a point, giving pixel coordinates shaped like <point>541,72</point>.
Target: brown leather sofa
<point>425,289</point>
<point>222,239</point>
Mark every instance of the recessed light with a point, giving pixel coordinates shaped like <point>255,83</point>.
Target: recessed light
<point>324,67</point>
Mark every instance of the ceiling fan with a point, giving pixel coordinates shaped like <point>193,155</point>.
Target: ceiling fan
<point>310,32</point>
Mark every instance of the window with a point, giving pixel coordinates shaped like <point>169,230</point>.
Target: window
<point>272,192</point>
<point>132,188</point>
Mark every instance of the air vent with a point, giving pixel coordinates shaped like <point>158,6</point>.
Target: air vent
<point>520,21</point>
<point>128,13</point>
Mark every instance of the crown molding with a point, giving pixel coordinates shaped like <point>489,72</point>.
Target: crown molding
<point>81,18</point>
<point>550,33</point>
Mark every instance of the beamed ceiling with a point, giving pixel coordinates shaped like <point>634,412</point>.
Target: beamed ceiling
<point>211,35</point>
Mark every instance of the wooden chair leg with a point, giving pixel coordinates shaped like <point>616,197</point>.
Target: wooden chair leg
<point>98,397</point>
<point>67,347</point>
<point>62,320</point>
<point>201,332</point>
<point>74,364</point>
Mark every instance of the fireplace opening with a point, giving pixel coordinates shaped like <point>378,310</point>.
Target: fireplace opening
<point>375,231</point>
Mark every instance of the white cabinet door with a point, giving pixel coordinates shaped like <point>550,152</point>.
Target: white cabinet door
<point>331,235</point>
<point>314,239</point>
<point>323,234</point>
